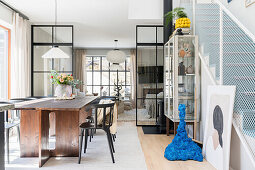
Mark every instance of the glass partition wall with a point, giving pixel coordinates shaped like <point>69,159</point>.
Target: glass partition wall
<point>149,71</point>
<point>44,37</point>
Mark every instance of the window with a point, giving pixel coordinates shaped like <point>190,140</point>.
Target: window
<point>4,56</point>
<point>100,79</point>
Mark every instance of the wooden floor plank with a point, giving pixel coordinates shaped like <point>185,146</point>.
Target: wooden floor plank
<point>154,147</point>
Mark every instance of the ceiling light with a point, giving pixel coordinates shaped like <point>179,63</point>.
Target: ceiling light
<point>116,55</point>
<point>55,51</point>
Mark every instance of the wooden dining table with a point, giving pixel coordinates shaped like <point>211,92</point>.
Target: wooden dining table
<point>35,126</point>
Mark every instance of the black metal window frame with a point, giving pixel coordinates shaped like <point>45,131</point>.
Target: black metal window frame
<point>109,85</point>
<point>52,43</point>
<point>156,44</point>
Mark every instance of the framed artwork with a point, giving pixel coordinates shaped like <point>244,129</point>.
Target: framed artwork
<point>249,2</point>
<point>218,125</point>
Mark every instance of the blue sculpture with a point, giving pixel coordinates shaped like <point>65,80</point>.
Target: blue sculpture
<point>182,147</point>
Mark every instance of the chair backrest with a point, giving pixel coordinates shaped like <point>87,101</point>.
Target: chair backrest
<point>113,98</point>
<point>105,121</point>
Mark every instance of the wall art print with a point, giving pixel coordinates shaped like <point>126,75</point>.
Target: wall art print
<point>218,125</point>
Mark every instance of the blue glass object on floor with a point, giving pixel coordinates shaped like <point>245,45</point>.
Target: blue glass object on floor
<point>182,147</point>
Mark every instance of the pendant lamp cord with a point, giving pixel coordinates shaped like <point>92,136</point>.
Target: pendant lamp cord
<point>55,21</point>
<point>116,43</point>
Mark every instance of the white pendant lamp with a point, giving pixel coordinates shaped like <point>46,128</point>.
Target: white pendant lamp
<point>55,52</point>
<point>116,57</point>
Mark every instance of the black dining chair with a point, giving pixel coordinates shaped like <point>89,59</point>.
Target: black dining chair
<point>105,126</point>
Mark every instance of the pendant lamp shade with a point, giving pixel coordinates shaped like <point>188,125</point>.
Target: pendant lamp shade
<point>55,52</point>
<point>116,56</point>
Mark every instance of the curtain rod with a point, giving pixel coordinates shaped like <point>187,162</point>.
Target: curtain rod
<point>15,10</point>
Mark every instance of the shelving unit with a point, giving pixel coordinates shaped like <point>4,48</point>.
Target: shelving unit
<point>182,79</point>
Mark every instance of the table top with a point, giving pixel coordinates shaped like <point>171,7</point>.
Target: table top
<point>4,107</point>
<point>55,104</point>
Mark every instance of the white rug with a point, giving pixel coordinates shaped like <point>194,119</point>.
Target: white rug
<point>129,115</point>
<point>128,154</point>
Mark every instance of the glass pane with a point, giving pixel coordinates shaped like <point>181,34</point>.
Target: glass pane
<point>105,64</point>
<point>127,94</point>
<point>3,64</point>
<point>96,78</point>
<point>146,111</point>
<point>128,78</point>
<point>160,33</point>
<point>96,89</point>
<point>42,84</point>
<point>64,64</point>
<point>89,90</point>
<point>146,56</point>
<point>43,34</point>
<point>105,78</point>
<point>63,34</point>
<point>113,78</point>
<point>146,35</point>
<point>105,91</point>
<point>160,68</point>
<point>89,78</point>
<point>89,63</point>
<point>96,63</point>
<point>121,78</point>
<point>42,64</point>
<point>112,92</point>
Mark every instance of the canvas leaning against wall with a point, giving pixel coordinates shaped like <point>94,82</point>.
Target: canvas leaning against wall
<point>216,147</point>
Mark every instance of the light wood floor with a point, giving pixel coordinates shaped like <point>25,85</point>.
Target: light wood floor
<point>154,147</point>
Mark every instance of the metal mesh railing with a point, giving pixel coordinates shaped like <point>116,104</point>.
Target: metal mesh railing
<point>229,52</point>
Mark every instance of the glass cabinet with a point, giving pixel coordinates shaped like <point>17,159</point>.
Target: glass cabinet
<point>182,77</point>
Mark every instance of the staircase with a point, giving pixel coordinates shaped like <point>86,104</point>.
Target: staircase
<point>227,51</point>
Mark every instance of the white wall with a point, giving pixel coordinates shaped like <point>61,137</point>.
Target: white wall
<point>243,14</point>
<point>5,14</point>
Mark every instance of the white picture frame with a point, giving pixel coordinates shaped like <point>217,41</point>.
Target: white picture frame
<point>249,2</point>
<point>218,125</point>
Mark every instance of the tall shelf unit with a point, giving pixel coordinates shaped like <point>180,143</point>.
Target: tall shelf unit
<point>182,79</point>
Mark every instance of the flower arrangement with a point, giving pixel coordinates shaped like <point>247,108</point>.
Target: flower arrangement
<point>65,79</point>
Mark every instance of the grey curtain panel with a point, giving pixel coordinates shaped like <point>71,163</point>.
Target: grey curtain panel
<point>79,70</point>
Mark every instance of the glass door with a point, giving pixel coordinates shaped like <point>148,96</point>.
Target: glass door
<point>149,73</point>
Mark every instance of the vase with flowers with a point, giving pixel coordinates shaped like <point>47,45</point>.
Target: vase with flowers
<point>63,82</point>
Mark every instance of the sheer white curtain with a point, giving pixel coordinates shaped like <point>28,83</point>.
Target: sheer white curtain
<point>20,57</point>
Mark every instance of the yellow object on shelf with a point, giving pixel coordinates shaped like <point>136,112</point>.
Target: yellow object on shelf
<point>182,23</point>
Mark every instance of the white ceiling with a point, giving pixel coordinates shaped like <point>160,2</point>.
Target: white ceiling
<point>96,22</point>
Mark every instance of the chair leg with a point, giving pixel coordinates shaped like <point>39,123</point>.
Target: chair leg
<point>110,146</point>
<point>86,140</point>
<point>113,137</point>
<point>90,135</point>
<point>110,137</point>
<point>7,144</point>
<point>80,147</point>
<point>18,134</point>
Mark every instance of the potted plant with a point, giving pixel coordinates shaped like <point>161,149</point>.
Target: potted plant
<point>63,84</point>
<point>182,21</point>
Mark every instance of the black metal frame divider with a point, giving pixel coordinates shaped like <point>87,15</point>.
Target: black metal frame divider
<point>156,44</point>
<point>52,43</point>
